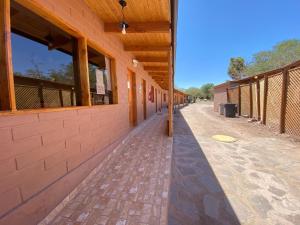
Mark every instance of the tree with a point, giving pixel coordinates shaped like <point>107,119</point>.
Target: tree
<point>236,68</point>
<point>193,91</point>
<point>282,54</point>
<point>207,90</point>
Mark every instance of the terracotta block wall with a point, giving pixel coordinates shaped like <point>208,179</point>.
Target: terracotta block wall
<point>219,97</point>
<point>45,155</point>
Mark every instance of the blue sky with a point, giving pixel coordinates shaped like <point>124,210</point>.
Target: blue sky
<point>210,32</point>
<point>26,52</point>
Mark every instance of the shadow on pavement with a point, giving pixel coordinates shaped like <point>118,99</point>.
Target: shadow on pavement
<point>196,196</point>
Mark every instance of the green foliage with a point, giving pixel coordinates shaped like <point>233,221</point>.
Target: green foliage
<point>236,68</point>
<point>282,54</point>
<point>205,91</point>
<point>193,91</point>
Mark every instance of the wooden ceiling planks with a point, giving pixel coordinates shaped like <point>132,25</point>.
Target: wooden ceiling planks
<point>136,10</point>
<point>149,38</point>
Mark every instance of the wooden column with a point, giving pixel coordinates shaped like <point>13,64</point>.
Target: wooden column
<point>239,106</point>
<point>265,99</point>
<point>81,70</point>
<point>7,89</point>
<point>251,99</point>
<point>258,99</point>
<point>171,94</point>
<point>283,100</point>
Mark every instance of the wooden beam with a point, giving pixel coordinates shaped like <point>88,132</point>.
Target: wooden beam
<point>258,98</point>
<point>152,59</point>
<point>157,73</point>
<point>156,68</point>
<point>251,99</point>
<point>82,72</point>
<point>171,95</point>
<point>57,42</point>
<point>144,27</point>
<point>7,90</point>
<point>146,48</point>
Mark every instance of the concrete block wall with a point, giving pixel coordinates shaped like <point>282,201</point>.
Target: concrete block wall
<point>45,154</point>
<point>219,97</point>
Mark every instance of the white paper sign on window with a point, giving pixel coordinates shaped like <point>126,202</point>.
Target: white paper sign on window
<point>100,87</point>
<point>107,68</point>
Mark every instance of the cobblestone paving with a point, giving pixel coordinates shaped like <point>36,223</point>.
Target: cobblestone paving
<point>255,180</point>
<point>131,188</point>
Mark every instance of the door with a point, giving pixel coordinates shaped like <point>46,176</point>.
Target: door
<point>131,82</point>
<point>144,102</point>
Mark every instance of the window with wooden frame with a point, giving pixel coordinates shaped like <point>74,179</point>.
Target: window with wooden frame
<point>100,78</point>
<point>44,64</point>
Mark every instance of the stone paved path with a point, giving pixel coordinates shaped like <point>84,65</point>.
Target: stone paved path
<point>255,180</point>
<point>131,188</point>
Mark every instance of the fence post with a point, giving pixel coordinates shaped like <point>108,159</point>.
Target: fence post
<point>72,96</point>
<point>41,95</point>
<point>251,99</point>
<point>61,98</point>
<point>258,99</point>
<point>283,100</point>
<point>239,89</point>
<point>265,99</point>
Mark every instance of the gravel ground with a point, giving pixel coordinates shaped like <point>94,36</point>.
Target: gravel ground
<point>255,180</point>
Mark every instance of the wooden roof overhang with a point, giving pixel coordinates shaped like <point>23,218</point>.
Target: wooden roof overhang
<point>151,35</point>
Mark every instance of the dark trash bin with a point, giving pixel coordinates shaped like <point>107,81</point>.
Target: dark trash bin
<point>221,109</point>
<point>229,110</point>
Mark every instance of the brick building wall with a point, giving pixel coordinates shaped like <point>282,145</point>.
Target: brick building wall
<point>220,95</point>
<point>45,155</point>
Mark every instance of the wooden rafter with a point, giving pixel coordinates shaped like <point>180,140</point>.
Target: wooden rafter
<point>158,73</point>
<point>142,27</point>
<point>146,48</point>
<point>152,59</point>
<point>156,68</point>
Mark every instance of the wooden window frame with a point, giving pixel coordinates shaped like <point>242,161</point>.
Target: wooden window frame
<point>7,90</point>
<point>113,75</point>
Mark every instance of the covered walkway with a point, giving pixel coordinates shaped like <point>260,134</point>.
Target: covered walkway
<point>129,187</point>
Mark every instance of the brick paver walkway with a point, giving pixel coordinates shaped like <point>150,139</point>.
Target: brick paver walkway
<point>131,187</point>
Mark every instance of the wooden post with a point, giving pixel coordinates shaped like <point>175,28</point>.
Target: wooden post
<point>7,90</point>
<point>171,94</point>
<point>240,98</point>
<point>251,99</point>
<point>61,98</point>
<point>258,99</point>
<point>265,99</point>
<point>227,96</point>
<point>283,100</point>
<point>81,69</point>
<point>41,95</point>
<point>113,75</point>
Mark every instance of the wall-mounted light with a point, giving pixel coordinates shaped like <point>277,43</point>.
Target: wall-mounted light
<point>123,24</point>
<point>135,63</point>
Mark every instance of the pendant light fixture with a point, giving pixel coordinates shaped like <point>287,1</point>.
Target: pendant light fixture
<point>123,24</point>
